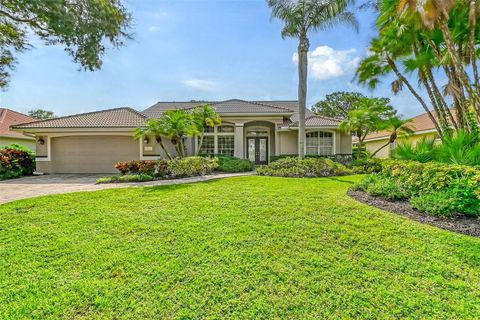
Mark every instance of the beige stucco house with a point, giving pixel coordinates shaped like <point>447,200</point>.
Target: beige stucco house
<point>10,118</point>
<point>256,130</point>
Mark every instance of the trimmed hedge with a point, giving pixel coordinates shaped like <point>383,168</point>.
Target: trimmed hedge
<point>344,159</point>
<point>191,166</point>
<point>435,188</point>
<point>16,161</point>
<point>233,164</point>
<point>143,170</point>
<point>308,167</point>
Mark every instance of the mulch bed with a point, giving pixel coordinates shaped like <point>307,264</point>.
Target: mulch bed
<point>460,224</point>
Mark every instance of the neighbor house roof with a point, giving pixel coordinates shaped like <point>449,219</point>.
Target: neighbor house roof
<point>232,106</point>
<point>419,123</point>
<point>112,118</point>
<point>9,118</point>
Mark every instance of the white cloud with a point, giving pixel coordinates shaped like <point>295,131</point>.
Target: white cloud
<point>327,63</point>
<point>204,85</point>
<point>153,28</point>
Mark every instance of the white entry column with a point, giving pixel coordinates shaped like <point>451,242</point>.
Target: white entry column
<point>238,140</point>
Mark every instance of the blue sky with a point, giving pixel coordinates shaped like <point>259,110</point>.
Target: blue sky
<point>196,49</point>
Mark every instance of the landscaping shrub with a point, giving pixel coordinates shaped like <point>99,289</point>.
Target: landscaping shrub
<point>146,167</point>
<point>435,188</point>
<point>16,161</point>
<point>345,159</point>
<point>447,203</point>
<point>460,148</point>
<point>126,178</point>
<point>308,167</point>
<point>233,164</point>
<point>380,186</point>
<point>191,166</point>
<point>367,165</point>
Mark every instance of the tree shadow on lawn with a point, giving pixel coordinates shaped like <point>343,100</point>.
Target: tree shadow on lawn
<point>343,179</point>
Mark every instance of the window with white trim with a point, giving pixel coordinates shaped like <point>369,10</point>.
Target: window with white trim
<point>219,140</point>
<point>319,143</point>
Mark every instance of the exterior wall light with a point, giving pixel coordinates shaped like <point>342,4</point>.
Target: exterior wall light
<point>146,140</point>
<point>41,141</point>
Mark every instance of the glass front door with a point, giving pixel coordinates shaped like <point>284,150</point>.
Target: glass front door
<point>257,150</point>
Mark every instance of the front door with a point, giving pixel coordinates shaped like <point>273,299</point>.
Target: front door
<point>257,150</point>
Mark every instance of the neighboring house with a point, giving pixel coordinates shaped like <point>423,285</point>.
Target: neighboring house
<point>7,136</point>
<point>421,124</point>
<point>92,142</point>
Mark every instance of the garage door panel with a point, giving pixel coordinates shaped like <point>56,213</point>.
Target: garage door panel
<point>92,154</point>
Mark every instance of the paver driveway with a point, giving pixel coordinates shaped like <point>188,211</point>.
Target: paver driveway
<point>28,187</point>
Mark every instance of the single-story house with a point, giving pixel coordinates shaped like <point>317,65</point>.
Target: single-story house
<point>10,118</point>
<point>256,130</point>
<point>423,128</point>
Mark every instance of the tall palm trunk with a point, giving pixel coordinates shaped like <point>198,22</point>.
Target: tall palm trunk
<point>440,99</point>
<point>472,17</point>
<point>302,91</point>
<point>457,64</point>
<point>442,116</point>
<point>400,76</point>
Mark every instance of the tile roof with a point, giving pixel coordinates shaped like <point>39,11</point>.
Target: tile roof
<point>129,118</point>
<point>9,118</point>
<point>314,120</point>
<point>111,118</point>
<point>421,122</point>
<point>227,106</point>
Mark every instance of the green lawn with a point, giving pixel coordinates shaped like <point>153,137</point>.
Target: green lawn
<point>248,247</point>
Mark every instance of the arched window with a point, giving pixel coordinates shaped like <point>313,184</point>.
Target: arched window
<point>219,140</point>
<point>319,143</point>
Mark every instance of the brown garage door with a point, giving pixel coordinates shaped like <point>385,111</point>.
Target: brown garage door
<point>91,154</point>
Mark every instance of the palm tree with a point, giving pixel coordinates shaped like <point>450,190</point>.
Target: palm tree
<point>203,117</point>
<point>178,125</point>
<point>369,116</point>
<point>301,17</point>
<point>397,127</point>
<point>154,128</point>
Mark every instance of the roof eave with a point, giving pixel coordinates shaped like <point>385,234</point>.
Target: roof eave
<point>16,137</point>
<point>73,129</point>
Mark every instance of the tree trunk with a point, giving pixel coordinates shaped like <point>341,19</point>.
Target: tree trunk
<point>440,99</point>
<point>473,53</point>
<point>160,141</point>
<point>302,91</point>
<point>378,150</point>
<point>181,148</point>
<point>392,139</point>
<point>400,76</point>
<point>200,142</point>
<point>457,64</point>
<point>435,103</point>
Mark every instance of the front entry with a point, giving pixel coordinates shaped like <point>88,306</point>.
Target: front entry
<point>257,150</point>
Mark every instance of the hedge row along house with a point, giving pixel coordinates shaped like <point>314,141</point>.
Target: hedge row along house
<point>256,130</point>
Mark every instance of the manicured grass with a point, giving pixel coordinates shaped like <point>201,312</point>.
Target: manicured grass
<point>247,247</point>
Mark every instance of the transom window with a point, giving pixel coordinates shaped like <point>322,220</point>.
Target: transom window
<point>219,140</point>
<point>319,143</point>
